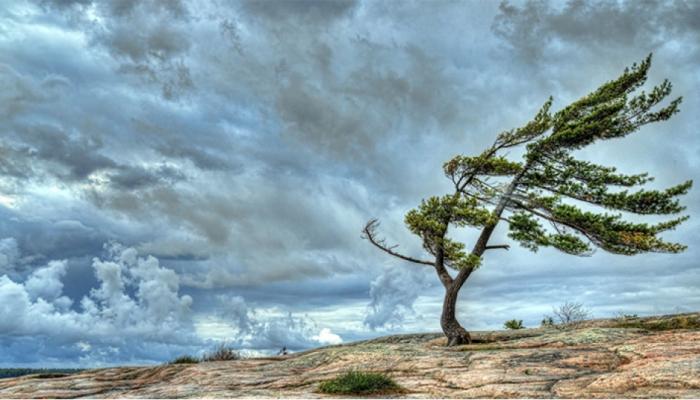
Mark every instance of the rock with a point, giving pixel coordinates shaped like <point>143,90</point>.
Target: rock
<point>645,357</point>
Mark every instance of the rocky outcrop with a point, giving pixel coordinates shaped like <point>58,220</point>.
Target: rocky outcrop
<point>599,359</point>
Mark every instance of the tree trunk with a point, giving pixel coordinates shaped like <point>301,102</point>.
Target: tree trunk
<point>456,334</point>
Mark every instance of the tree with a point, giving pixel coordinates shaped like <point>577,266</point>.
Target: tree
<point>570,314</point>
<point>549,198</point>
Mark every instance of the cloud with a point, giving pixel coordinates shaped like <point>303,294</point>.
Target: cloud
<point>9,253</point>
<point>393,294</point>
<point>265,330</point>
<point>136,305</point>
<point>538,27</point>
<point>318,10</point>
<point>155,53</point>
<point>46,282</point>
<point>235,308</point>
<point>327,337</point>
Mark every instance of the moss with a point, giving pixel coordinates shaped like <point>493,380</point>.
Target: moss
<point>360,383</point>
<point>665,324</point>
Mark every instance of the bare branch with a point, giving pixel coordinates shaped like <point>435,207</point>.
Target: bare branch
<point>370,233</point>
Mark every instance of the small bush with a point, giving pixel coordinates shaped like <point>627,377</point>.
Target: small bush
<point>547,321</point>
<point>514,324</point>
<point>357,382</point>
<point>185,360</point>
<point>222,353</point>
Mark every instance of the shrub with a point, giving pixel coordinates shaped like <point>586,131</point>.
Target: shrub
<point>222,353</point>
<point>514,324</point>
<point>357,382</point>
<point>547,320</point>
<point>185,360</point>
<point>570,314</point>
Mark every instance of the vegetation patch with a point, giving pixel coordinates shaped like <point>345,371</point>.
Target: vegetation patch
<point>665,324</point>
<point>514,324</point>
<point>360,383</point>
<point>222,353</point>
<point>41,372</point>
<point>185,360</point>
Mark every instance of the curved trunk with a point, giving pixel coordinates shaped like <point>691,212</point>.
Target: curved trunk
<point>456,334</point>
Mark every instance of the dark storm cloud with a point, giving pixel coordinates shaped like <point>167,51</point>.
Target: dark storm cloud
<point>245,145</point>
<point>149,39</point>
<point>317,10</point>
<point>78,155</point>
<point>201,158</point>
<point>540,26</point>
<point>128,178</point>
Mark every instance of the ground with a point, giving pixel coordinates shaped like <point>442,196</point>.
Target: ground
<point>650,357</point>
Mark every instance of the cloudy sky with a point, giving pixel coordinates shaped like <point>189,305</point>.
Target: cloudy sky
<point>178,173</point>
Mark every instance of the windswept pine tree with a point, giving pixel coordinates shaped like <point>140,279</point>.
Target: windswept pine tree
<point>540,197</point>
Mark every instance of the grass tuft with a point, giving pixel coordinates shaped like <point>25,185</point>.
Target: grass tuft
<point>362,383</point>
<point>185,360</point>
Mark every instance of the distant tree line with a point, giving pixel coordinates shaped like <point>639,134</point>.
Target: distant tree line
<point>15,372</point>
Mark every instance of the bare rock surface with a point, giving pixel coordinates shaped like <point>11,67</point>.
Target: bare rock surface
<point>641,358</point>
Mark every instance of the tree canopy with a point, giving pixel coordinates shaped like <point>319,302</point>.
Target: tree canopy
<point>533,193</point>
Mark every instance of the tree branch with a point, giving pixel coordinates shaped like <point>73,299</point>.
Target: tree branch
<point>555,221</point>
<point>369,233</point>
<point>482,242</point>
<point>497,246</point>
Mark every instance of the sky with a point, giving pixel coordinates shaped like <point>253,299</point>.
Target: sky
<point>176,174</point>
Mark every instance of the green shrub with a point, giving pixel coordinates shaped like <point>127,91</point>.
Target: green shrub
<point>547,321</point>
<point>514,324</point>
<point>222,353</point>
<point>357,382</point>
<point>185,360</point>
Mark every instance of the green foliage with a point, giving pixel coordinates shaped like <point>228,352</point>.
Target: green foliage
<point>528,231</point>
<point>547,321</point>
<point>360,383</point>
<point>431,219</point>
<point>606,113</point>
<point>483,165</point>
<point>533,129</point>
<point>185,360</point>
<point>514,324</point>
